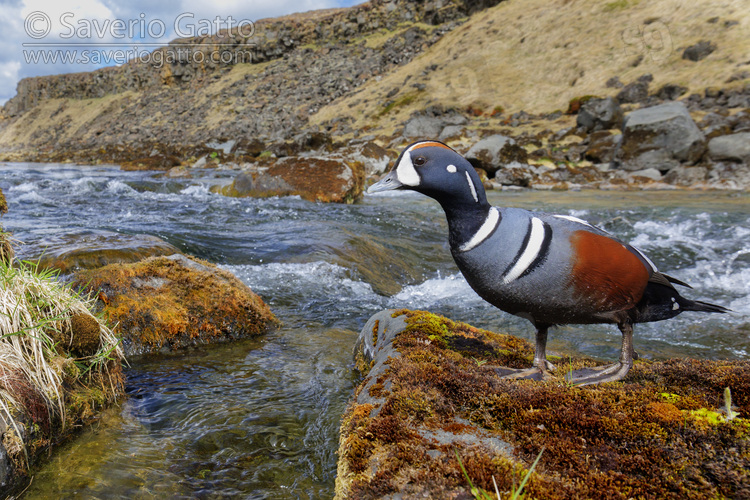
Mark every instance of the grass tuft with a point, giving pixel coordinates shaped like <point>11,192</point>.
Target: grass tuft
<point>36,331</point>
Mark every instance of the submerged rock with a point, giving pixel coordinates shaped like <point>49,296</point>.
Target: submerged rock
<point>660,137</point>
<point>164,303</point>
<point>324,179</point>
<point>432,390</point>
<point>69,252</point>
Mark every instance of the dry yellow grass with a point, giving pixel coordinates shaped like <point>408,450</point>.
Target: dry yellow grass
<point>536,55</point>
<point>68,117</point>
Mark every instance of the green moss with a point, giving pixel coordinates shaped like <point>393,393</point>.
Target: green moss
<point>401,102</point>
<point>616,5</point>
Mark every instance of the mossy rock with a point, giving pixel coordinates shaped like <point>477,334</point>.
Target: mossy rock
<point>162,303</point>
<point>3,203</point>
<point>327,180</point>
<point>434,390</point>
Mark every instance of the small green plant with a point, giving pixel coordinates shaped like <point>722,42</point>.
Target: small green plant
<point>516,494</point>
<point>214,155</point>
<point>731,414</point>
<point>479,362</point>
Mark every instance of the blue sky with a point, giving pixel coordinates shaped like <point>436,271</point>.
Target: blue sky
<point>38,34</point>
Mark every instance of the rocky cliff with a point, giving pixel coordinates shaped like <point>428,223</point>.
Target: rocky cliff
<point>264,86</point>
<point>395,70</point>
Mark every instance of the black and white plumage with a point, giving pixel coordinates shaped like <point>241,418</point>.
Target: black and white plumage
<point>549,269</point>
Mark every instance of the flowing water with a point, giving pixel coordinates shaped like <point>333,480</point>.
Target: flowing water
<point>259,418</point>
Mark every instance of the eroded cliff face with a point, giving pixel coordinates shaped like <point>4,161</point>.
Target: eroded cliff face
<point>263,83</point>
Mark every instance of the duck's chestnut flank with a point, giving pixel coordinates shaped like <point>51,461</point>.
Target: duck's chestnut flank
<point>549,269</point>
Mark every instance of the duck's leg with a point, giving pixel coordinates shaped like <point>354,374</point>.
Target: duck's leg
<point>541,367</point>
<point>540,353</point>
<point>613,372</point>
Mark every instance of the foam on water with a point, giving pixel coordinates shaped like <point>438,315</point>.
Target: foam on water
<point>199,191</point>
<point>118,187</point>
<point>435,292</point>
<point>322,290</point>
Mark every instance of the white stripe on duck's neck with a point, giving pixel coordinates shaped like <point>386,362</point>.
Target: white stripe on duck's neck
<point>485,230</point>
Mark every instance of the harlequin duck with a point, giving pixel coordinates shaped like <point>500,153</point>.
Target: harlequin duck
<point>549,269</point>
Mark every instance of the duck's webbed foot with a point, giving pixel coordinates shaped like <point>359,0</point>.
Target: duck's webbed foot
<point>533,373</point>
<point>613,372</point>
<point>599,375</point>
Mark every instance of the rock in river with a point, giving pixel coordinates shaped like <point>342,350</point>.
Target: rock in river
<point>163,303</point>
<point>325,179</point>
<point>432,391</point>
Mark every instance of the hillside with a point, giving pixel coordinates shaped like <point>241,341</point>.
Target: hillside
<point>369,68</point>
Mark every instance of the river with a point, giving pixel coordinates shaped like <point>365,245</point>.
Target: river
<point>259,418</point>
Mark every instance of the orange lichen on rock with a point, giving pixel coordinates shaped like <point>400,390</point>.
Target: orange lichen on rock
<point>175,301</point>
<point>643,437</point>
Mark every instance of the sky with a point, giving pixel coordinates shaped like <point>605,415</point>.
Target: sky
<point>43,37</point>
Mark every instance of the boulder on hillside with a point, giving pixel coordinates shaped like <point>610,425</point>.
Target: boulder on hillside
<point>660,137</point>
<point>699,51</point>
<point>164,303</point>
<point>515,174</point>
<point>374,157</point>
<point>494,152</point>
<point>433,394</point>
<point>430,123</point>
<point>423,127</point>
<point>330,179</point>
<point>734,147</point>
<point>602,146</point>
<point>599,114</point>
<point>69,252</point>
<point>635,92</point>
<point>670,92</point>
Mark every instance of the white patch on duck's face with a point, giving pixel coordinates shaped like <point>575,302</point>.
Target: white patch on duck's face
<point>451,169</point>
<point>405,171</point>
<point>471,186</point>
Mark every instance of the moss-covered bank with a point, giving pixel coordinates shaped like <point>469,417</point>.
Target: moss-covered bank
<point>434,388</point>
<point>59,366</point>
<point>162,303</point>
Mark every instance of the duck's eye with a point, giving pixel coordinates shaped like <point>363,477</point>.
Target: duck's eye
<point>419,161</point>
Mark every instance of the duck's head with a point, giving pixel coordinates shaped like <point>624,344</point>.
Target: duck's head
<point>436,170</point>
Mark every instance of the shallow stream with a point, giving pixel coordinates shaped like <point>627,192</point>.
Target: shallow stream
<point>259,418</point>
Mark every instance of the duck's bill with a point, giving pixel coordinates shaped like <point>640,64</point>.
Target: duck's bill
<point>387,183</point>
